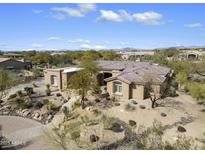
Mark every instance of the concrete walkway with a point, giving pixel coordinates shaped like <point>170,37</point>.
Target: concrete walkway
<point>23,131</point>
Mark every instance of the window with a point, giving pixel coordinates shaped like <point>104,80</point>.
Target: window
<point>54,80</point>
<point>117,87</point>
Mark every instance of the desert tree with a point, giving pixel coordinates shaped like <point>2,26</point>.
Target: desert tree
<point>152,91</point>
<point>5,83</point>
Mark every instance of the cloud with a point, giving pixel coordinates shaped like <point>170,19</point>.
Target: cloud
<point>37,11</point>
<point>37,45</point>
<point>79,41</point>
<point>88,46</point>
<point>146,18</point>
<point>124,43</point>
<point>194,25</point>
<point>80,11</point>
<point>54,38</point>
<point>85,46</point>
<point>59,16</point>
<point>108,15</point>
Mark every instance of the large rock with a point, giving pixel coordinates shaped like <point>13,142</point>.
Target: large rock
<point>26,113</point>
<point>36,115</point>
<point>132,123</point>
<point>49,117</point>
<point>181,129</point>
<point>117,127</point>
<point>94,138</point>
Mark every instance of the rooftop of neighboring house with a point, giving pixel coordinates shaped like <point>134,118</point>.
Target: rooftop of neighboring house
<point>3,59</point>
<point>135,72</point>
<point>66,69</point>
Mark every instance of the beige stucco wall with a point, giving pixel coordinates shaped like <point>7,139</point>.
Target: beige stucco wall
<point>65,79</point>
<point>137,92</point>
<point>125,90</point>
<point>47,77</point>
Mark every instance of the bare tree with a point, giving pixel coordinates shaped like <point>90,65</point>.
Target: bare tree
<point>152,90</point>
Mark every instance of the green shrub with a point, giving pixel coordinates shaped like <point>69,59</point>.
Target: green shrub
<point>75,134</point>
<point>48,90</point>
<point>19,93</point>
<point>109,121</point>
<point>96,112</point>
<point>28,90</point>
<point>96,89</point>
<point>45,101</point>
<point>76,105</point>
<point>12,96</point>
<point>129,107</point>
<point>27,105</point>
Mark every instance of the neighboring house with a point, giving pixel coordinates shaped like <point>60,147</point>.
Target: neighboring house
<point>137,55</point>
<point>59,77</point>
<point>124,80</point>
<point>12,64</point>
<point>127,80</point>
<point>191,54</point>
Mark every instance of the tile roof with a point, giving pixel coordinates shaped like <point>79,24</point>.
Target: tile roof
<point>4,59</point>
<point>135,72</point>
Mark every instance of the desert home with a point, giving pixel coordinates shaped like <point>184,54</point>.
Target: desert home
<point>123,79</point>
<point>13,64</point>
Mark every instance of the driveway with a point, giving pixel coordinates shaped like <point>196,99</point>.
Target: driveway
<point>21,130</point>
<point>39,82</point>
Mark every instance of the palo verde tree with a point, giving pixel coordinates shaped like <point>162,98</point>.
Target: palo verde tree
<point>84,80</point>
<point>5,83</point>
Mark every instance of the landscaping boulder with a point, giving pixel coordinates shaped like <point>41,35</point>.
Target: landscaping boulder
<point>26,113</point>
<point>94,138</point>
<point>36,115</point>
<point>49,117</point>
<point>117,104</point>
<point>163,114</point>
<point>97,100</point>
<point>117,127</point>
<point>142,107</point>
<point>181,129</point>
<point>132,123</point>
<point>58,94</point>
<point>134,102</point>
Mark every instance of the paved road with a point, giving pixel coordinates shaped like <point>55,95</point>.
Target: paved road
<point>21,130</point>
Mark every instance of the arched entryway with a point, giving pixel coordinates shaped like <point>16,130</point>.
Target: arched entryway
<point>102,76</point>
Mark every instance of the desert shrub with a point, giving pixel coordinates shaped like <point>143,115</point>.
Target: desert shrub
<point>38,105</point>
<point>27,105</point>
<point>75,134</point>
<point>109,121</point>
<point>113,98</point>
<point>76,105</point>
<point>50,106</point>
<point>45,101</point>
<point>96,112</point>
<point>12,96</point>
<point>129,107</point>
<point>17,101</point>
<point>19,93</point>
<point>96,89</point>
<point>65,111</point>
<point>48,90</point>
<point>28,90</point>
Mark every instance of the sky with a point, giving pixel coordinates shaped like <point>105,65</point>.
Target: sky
<point>100,26</point>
